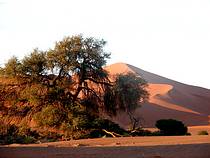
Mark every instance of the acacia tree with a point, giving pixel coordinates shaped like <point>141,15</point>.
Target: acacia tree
<point>127,94</point>
<point>82,59</point>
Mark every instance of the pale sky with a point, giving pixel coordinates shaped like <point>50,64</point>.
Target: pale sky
<point>167,37</point>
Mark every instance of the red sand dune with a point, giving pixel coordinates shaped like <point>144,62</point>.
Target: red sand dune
<point>168,99</point>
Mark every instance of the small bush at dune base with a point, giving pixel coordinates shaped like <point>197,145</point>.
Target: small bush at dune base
<point>203,133</point>
<point>188,134</point>
<point>170,127</point>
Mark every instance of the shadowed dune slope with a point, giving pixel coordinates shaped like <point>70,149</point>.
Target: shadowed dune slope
<point>168,99</point>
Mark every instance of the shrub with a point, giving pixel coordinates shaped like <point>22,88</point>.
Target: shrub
<point>141,132</point>
<point>203,133</point>
<point>108,125</point>
<point>21,139</point>
<point>49,136</point>
<point>49,116</point>
<point>23,130</point>
<point>7,133</point>
<point>157,133</point>
<point>12,134</point>
<point>82,126</point>
<point>188,134</point>
<point>81,122</point>
<point>96,134</point>
<point>171,127</point>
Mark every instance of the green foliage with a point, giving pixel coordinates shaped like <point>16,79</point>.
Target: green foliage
<point>98,127</point>
<point>49,116</point>
<point>96,133</point>
<point>12,67</point>
<point>2,71</point>
<point>80,122</point>
<point>12,134</point>
<point>34,65</point>
<point>78,55</point>
<point>128,92</point>
<point>203,133</point>
<point>57,94</point>
<point>33,94</point>
<point>84,126</point>
<point>49,136</point>
<point>171,127</point>
<point>71,99</point>
<point>140,132</point>
<point>81,58</point>
<point>28,140</point>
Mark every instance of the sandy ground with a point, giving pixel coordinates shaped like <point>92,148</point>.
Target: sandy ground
<point>129,147</point>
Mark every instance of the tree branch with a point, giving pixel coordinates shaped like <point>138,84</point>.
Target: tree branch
<point>113,134</point>
<point>98,82</point>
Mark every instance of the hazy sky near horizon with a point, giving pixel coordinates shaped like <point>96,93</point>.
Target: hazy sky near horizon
<point>167,37</point>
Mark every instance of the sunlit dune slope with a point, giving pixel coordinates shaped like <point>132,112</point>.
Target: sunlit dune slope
<point>168,99</point>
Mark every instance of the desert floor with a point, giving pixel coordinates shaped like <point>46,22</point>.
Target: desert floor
<point>127,147</point>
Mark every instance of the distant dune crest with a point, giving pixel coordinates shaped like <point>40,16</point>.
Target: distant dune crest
<point>168,99</point>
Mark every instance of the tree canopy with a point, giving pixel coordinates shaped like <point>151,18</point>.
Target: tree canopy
<point>12,67</point>
<point>82,59</point>
<point>127,94</point>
